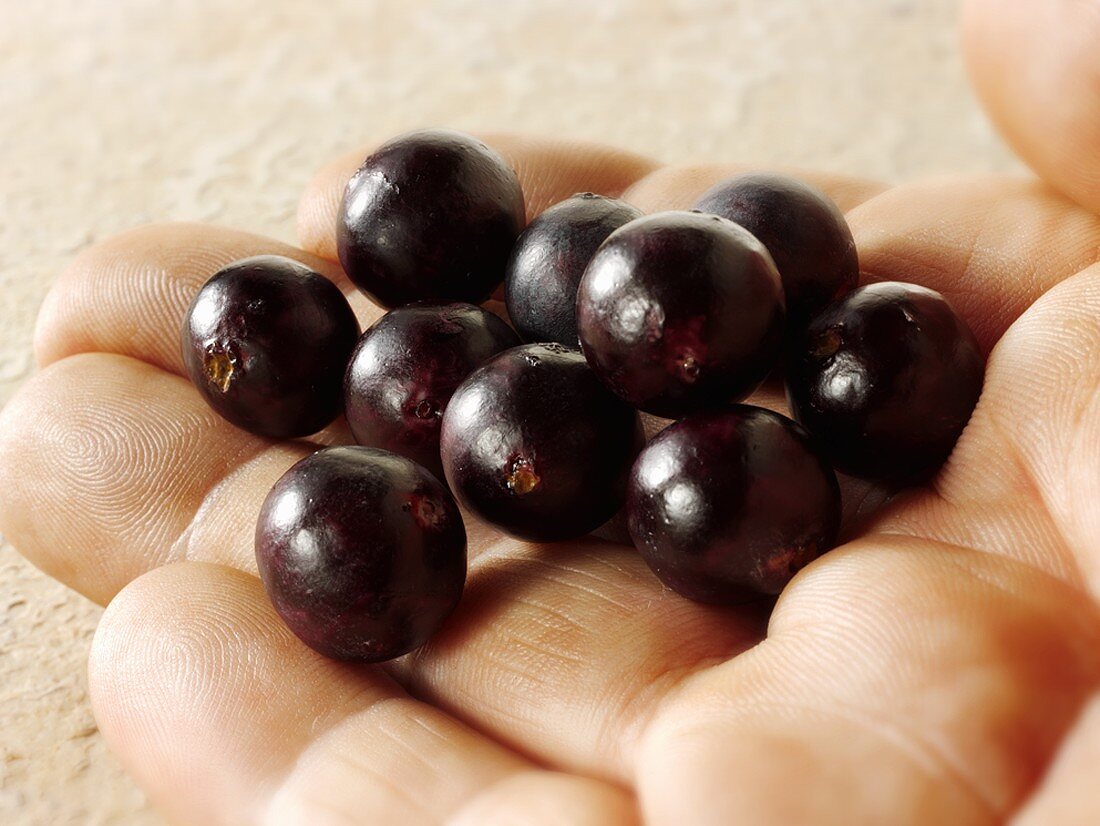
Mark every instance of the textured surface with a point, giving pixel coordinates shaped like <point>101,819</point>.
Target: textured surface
<point>124,112</point>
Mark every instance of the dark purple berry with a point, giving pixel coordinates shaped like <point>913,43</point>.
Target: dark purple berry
<point>266,342</point>
<point>533,443</point>
<point>725,506</point>
<point>885,380</point>
<point>680,312</point>
<point>406,367</point>
<point>540,286</point>
<point>431,216</point>
<point>803,230</point>
<point>362,552</point>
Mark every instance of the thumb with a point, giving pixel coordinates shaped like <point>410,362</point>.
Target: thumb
<point>1035,66</point>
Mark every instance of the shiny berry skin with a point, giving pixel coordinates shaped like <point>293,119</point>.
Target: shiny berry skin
<point>362,552</point>
<point>266,342</point>
<point>533,443</point>
<point>729,505</point>
<point>804,231</point>
<point>681,312</point>
<point>885,380</point>
<point>540,285</point>
<point>431,216</point>
<point>406,367</point>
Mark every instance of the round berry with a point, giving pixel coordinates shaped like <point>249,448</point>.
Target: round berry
<point>726,506</point>
<point>266,342</point>
<point>362,552</point>
<point>886,380</point>
<point>431,216</point>
<point>533,443</point>
<point>804,231</point>
<point>405,368</point>
<point>680,312</point>
<point>540,285</point>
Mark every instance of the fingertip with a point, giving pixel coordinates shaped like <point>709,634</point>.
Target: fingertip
<point>142,676</point>
<point>131,649</point>
<point>111,466</point>
<point>196,684</point>
<point>66,323</point>
<point>129,293</point>
<point>60,461</point>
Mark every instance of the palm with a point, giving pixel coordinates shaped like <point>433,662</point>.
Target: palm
<point>928,671</point>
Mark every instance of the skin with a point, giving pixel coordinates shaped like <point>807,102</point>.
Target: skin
<point>941,667</point>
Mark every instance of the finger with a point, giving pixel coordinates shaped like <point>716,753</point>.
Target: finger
<point>1050,112</point>
<point>992,245</point>
<point>902,682</point>
<point>679,187</point>
<point>112,467</point>
<point>197,685</point>
<point>549,171</point>
<point>129,294</point>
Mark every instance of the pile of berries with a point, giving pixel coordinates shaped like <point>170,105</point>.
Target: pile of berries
<point>679,315</point>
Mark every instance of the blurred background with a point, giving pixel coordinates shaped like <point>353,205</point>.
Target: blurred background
<point>120,112</point>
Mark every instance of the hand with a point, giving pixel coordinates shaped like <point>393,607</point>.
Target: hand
<point>933,670</point>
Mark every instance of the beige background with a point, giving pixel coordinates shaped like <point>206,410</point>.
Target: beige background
<point>119,112</point>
